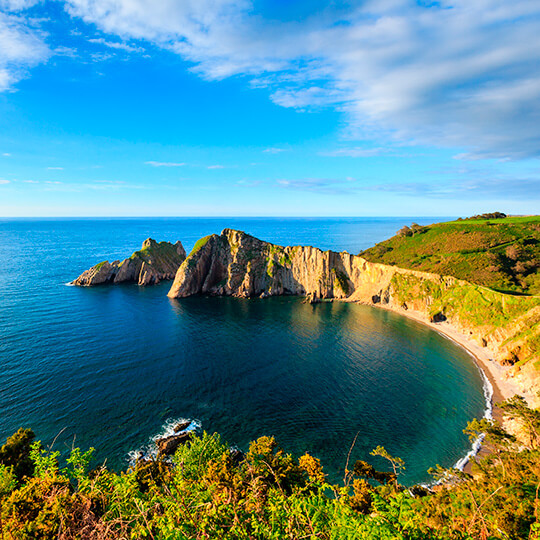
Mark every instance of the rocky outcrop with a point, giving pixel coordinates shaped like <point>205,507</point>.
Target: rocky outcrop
<point>167,446</point>
<point>155,262</point>
<point>237,264</point>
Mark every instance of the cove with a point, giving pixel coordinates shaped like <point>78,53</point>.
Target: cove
<point>316,375</point>
<point>110,366</point>
<point>311,375</point>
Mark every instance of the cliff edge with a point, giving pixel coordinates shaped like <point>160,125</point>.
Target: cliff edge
<point>237,264</point>
<point>154,262</point>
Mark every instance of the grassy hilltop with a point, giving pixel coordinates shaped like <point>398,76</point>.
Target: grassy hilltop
<point>503,253</point>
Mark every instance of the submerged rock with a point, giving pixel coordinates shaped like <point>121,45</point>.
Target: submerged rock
<point>154,262</point>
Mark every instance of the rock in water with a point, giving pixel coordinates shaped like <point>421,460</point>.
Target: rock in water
<point>181,426</point>
<point>155,262</point>
<point>235,263</point>
<point>167,445</point>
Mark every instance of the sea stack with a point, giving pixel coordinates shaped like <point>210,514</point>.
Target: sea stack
<point>154,262</point>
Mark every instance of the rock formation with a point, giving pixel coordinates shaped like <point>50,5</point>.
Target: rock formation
<point>155,262</point>
<point>167,446</point>
<point>237,264</point>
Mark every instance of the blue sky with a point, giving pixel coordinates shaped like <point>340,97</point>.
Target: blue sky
<point>274,107</point>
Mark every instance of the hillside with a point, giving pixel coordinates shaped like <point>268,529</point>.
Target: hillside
<point>503,254</point>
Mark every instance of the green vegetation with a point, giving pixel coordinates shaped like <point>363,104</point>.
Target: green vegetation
<point>279,253</point>
<point>161,250</point>
<point>500,253</point>
<point>99,265</point>
<point>341,280</point>
<point>200,244</point>
<point>211,491</point>
<point>196,248</point>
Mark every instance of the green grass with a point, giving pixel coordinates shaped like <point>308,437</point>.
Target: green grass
<point>503,254</point>
<point>341,280</point>
<point>160,249</point>
<point>200,244</point>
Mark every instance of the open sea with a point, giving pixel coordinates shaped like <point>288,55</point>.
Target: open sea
<point>114,366</point>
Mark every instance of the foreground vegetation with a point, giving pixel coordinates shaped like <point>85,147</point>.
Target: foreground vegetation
<point>500,253</point>
<point>209,491</point>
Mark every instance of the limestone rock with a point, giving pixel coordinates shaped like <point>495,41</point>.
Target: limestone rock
<point>155,262</point>
<point>181,426</point>
<point>237,264</point>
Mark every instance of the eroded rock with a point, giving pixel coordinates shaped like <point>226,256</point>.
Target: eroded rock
<point>154,262</point>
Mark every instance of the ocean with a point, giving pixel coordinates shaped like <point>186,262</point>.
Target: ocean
<point>114,366</point>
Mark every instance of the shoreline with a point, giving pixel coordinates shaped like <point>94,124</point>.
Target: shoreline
<point>490,369</point>
<point>503,388</point>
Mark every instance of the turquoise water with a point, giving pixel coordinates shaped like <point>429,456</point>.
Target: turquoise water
<point>110,366</point>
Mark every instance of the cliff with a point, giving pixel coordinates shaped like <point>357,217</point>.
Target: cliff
<point>237,264</point>
<point>155,262</point>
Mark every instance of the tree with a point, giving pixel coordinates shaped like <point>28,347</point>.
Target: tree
<point>16,453</point>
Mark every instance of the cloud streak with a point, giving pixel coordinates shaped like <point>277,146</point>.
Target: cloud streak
<point>499,189</point>
<point>163,164</point>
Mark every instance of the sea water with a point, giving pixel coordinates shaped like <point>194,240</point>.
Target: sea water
<point>113,366</point>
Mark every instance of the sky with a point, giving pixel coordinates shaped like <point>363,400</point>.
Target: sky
<point>269,107</point>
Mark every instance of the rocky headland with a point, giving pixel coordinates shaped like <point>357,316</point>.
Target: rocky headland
<point>237,264</point>
<point>154,262</point>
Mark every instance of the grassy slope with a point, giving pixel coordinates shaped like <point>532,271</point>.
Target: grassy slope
<point>503,254</point>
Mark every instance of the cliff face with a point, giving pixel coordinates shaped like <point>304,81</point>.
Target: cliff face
<point>237,264</point>
<point>155,262</point>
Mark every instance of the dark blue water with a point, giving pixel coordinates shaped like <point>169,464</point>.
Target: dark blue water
<point>111,365</point>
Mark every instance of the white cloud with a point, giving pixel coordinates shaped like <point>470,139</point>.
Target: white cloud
<point>21,46</point>
<point>117,45</point>
<point>2,181</point>
<point>163,164</point>
<point>17,5</point>
<point>6,154</point>
<point>215,167</point>
<point>460,73</point>
<point>55,168</point>
<point>273,150</point>
<point>355,152</point>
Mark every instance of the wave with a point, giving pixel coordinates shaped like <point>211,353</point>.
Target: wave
<point>149,450</point>
<point>488,415</point>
